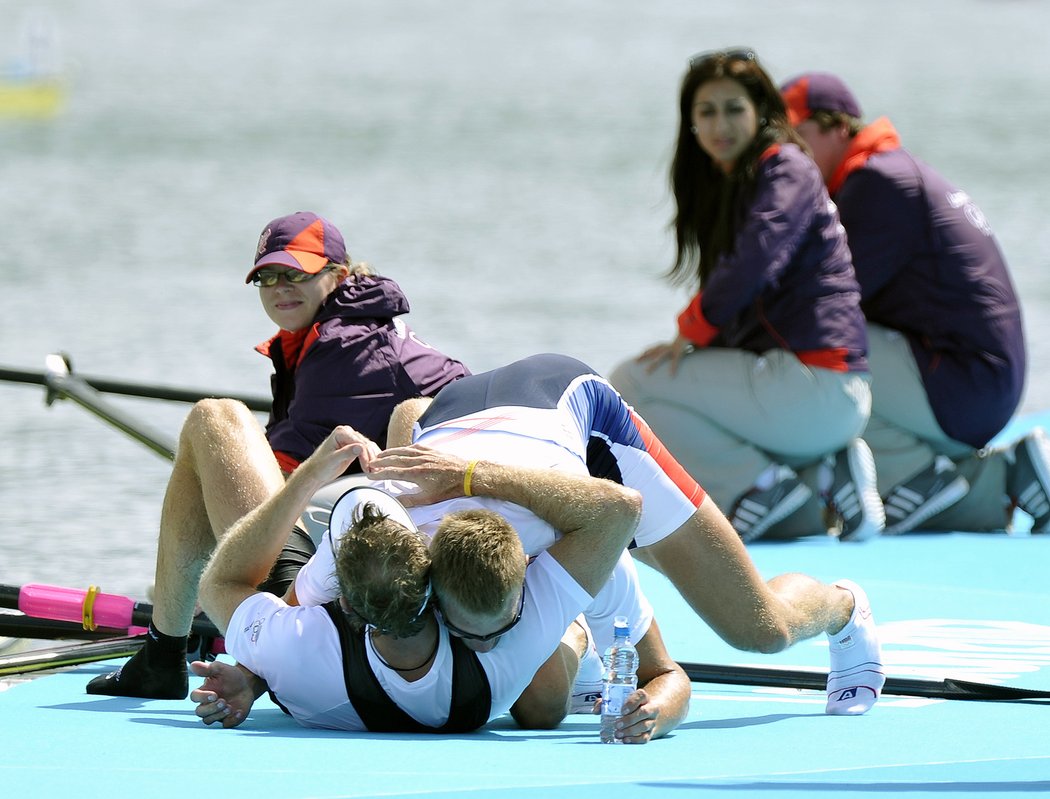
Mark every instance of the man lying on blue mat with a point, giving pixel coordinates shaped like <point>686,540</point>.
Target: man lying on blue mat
<point>474,558</point>
<point>553,412</point>
<point>378,651</point>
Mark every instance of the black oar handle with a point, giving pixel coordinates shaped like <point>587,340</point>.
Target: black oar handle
<point>18,625</point>
<point>9,596</point>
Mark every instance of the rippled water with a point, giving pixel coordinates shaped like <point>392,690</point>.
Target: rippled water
<point>506,162</point>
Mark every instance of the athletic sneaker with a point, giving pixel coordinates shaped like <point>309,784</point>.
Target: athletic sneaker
<point>584,697</point>
<point>759,509</point>
<point>936,488</point>
<point>853,497</point>
<point>856,676</point>
<point>150,674</point>
<point>1028,478</point>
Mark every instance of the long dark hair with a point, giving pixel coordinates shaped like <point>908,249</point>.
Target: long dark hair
<point>710,203</point>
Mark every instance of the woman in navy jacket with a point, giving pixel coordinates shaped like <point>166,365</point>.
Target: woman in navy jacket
<point>342,355</point>
<point>768,372</point>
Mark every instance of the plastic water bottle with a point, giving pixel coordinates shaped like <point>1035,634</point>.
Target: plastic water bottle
<point>620,678</point>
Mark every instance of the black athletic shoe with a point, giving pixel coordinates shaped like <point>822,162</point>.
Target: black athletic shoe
<point>853,498</point>
<point>147,675</point>
<point>936,488</point>
<point>760,509</point>
<point>1028,478</point>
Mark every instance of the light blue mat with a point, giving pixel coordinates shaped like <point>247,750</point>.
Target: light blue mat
<point>975,607</point>
<point>967,606</point>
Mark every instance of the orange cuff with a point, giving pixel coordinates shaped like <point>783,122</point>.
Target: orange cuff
<point>693,325</point>
<point>287,463</point>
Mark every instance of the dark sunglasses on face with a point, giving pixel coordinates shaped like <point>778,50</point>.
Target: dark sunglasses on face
<point>732,54</point>
<point>454,630</point>
<point>266,278</point>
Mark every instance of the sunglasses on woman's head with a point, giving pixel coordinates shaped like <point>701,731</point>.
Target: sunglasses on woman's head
<point>733,54</point>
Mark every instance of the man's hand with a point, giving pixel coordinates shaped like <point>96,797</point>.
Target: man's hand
<point>438,474</point>
<point>333,457</point>
<point>227,694</point>
<point>638,722</point>
<point>661,701</point>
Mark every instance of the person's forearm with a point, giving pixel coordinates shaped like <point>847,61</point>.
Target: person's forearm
<point>249,550</point>
<point>598,517</point>
<point>568,502</point>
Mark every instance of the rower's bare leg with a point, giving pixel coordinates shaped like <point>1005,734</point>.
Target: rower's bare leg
<point>223,469</point>
<point>711,568</point>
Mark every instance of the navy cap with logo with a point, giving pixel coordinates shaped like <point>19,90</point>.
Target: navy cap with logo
<point>303,241</point>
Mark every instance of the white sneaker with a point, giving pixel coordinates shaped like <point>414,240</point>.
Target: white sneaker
<point>1028,478</point>
<point>856,676</point>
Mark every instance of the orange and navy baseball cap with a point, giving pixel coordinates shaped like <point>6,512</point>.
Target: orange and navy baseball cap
<point>303,241</point>
<point>817,91</point>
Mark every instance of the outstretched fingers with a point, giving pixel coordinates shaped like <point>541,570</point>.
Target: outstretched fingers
<point>438,475</point>
<point>670,352</point>
<point>226,695</point>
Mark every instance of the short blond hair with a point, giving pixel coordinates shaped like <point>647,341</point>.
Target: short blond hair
<point>384,573</point>
<point>477,559</point>
<point>359,268</point>
<point>826,120</point>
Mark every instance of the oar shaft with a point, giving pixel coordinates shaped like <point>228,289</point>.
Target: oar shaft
<point>144,390</point>
<point>18,625</point>
<point>816,681</point>
<point>63,384</point>
<point>70,655</point>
